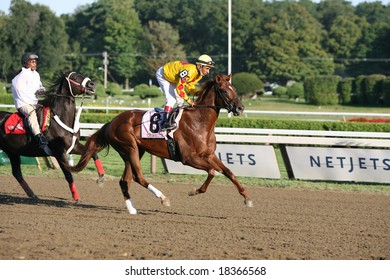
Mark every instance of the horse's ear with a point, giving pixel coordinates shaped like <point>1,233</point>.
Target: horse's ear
<point>230,77</point>
<point>218,77</point>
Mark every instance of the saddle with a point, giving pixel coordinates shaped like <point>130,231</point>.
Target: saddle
<point>16,123</point>
<point>152,124</point>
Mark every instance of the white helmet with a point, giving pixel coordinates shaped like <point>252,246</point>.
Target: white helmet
<point>205,60</point>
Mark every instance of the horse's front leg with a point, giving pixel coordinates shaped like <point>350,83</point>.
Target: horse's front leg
<point>215,164</point>
<point>69,178</point>
<point>203,188</point>
<point>229,174</point>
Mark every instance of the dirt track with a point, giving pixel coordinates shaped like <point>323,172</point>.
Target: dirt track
<point>284,223</point>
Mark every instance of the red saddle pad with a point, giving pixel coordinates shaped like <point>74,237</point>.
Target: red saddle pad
<point>15,124</point>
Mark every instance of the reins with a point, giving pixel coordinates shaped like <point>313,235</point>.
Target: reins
<point>227,105</point>
<point>76,122</point>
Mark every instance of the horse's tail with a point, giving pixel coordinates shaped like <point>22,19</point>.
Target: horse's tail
<point>95,143</point>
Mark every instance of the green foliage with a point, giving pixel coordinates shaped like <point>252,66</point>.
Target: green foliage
<point>321,90</point>
<point>358,88</point>
<point>123,37</point>
<point>289,36</point>
<point>345,90</point>
<point>276,40</point>
<point>32,28</point>
<point>2,88</point>
<point>279,91</point>
<point>296,91</point>
<point>268,123</point>
<point>302,124</point>
<point>372,88</point>
<point>100,90</point>
<point>6,99</point>
<point>247,83</point>
<point>386,92</point>
<point>114,89</point>
<point>97,117</point>
<point>163,45</point>
<point>144,91</point>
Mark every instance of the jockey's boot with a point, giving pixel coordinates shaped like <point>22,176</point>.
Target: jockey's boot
<point>43,144</point>
<point>169,122</point>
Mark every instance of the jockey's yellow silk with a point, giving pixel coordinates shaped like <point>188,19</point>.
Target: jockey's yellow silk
<point>185,75</point>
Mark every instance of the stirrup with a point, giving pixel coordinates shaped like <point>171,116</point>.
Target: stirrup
<point>43,144</point>
<point>169,126</point>
<point>47,150</point>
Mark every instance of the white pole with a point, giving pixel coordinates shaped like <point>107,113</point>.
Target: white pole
<point>105,63</point>
<point>229,36</point>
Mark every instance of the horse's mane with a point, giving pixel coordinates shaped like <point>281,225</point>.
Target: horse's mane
<point>51,93</point>
<point>205,87</point>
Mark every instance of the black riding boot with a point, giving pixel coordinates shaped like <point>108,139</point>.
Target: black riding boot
<point>169,122</point>
<point>43,143</point>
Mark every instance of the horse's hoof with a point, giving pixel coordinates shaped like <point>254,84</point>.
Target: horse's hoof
<point>78,201</point>
<point>100,181</point>
<point>193,192</point>
<point>165,201</point>
<point>34,197</point>
<point>248,203</point>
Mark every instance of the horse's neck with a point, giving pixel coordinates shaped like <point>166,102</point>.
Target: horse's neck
<point>65,110</point>
<point>207,100</point>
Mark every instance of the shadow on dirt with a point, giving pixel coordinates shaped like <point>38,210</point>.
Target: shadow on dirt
<point>56,202</point>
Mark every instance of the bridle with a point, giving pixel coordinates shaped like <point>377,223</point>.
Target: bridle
<point>228,106</point>
<point>76,122</point>
<point>83,84</point>
<point>222,94</point>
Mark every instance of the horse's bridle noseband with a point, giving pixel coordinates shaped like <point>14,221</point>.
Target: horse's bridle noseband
<point>228,106</point>
<point>83,84</point>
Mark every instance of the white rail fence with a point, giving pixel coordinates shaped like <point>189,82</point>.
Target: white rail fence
<point>307,154</point>
<point>286,136</point>
<point>339,115</point>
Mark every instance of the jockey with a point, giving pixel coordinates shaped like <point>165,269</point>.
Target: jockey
<point>175,78</point>
<point>26,85</point>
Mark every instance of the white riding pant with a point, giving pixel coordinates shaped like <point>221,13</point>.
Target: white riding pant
<point>169,90</point>
<point>29,112</point>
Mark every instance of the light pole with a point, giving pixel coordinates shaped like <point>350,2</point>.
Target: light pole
<point>105,63</point>
<point>229,37</point>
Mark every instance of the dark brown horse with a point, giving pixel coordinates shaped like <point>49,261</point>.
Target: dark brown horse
<point>195,140</point>
<point>63,130</point>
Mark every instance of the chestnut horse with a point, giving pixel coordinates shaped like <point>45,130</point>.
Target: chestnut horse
<point>195,140</point>
<point>62,132</point>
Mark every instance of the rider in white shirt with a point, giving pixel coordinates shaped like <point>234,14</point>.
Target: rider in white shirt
<point>26,85</point>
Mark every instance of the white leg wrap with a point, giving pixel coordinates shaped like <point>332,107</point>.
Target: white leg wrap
<point>130,207</point>
<point>155,191</point>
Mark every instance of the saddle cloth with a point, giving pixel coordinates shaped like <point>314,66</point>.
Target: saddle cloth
<point>152,124</point>
<point>15,122</point>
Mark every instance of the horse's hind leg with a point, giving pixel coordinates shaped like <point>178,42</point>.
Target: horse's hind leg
<point>133,171</point>
<point>17,173</point>
<point>99,168</point>
<point>78,149</point>
<point>140,179</point>
<point>69,179</point>
<point>124,183</point>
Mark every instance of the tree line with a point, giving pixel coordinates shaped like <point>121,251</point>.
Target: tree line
<point>276,40</point>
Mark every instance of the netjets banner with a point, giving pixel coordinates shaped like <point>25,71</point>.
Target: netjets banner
<point>339,164</point>
<point>242,160</point>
